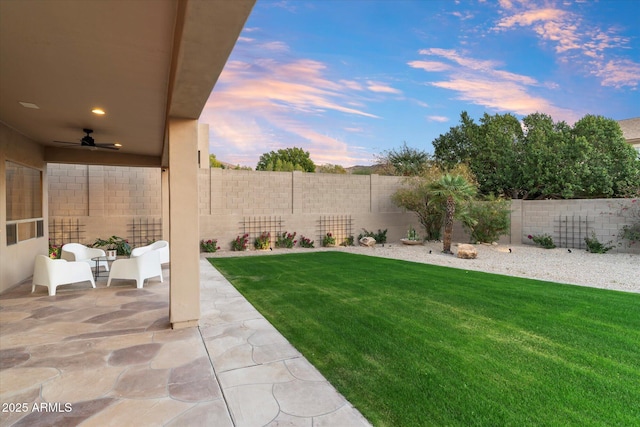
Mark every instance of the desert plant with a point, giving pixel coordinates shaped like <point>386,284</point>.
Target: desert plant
<point>240,243</point>
<point>263,241</point>
<point>286,240</point>
<point>379,237</point>
<point>412,234</point>
<point>543,240</point>
<point>328,240</point>
<point>114,243</point>
<point>448,192</point>
<point>210,245</point>
<point>348,241</point>
<point>594,246</point>
<point>491,219</point>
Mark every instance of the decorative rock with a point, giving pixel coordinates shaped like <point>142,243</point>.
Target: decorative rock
<point>368,241</point>
<point>467,252</point>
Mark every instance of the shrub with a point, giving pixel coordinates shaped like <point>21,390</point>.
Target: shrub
<point>210,245</point>
<point>594,246</point>
<point>543,240</point>
<point>328,240</point>
<point>263,241</point>
<point>305,242</point>
<point>630,233</point>
<point>286,240</point>
<point>348,241</point>
<point>240,243</point>
<point>491,219</point>
<point>380,236</point>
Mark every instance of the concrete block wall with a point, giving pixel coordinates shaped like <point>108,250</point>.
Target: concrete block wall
<point>569,221</point>
<point>297,201</point>
<point>106,199</point>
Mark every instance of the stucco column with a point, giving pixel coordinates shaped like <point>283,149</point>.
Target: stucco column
<point>184,295</point>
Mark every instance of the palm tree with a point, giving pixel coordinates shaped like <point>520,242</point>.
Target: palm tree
<point>450,190</point>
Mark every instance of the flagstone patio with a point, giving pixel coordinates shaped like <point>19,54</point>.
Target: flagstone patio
<point>107,357</point>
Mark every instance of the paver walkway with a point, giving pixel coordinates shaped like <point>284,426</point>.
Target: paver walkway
<point>107,357</point>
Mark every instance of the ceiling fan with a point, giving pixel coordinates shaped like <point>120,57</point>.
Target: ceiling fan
<point>88,141</point>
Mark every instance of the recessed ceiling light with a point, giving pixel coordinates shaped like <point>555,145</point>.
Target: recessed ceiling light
<point>98,111</point>
<point>29,105</point>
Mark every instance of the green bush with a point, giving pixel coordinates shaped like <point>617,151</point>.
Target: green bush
<point>543,240</point>
<point>594,246</point>
<point>491,219</point>
<point>380,236</point>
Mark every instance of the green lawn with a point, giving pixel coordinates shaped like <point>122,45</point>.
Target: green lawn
<point>411,344</point>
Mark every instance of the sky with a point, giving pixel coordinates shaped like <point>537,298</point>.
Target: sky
<point>348,80</point>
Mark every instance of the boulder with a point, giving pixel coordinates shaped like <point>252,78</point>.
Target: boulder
<point>368,241</point>
<point>467,252</point>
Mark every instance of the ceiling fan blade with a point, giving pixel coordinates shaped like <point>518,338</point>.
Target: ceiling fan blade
<point>107,146</point>
<point>67,142</point>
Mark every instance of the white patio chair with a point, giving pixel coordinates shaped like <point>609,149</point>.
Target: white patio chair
<point>162,246</point>
<point>137,268</point>
<point>57,272</point>
<point>78,252</point>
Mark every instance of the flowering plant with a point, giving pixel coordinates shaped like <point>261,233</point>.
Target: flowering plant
<point>263,241</point>
<point>286,240</point>
<point>305,242</point>
<point>210,245</point>
<point>329,240</point>
<point>54,251</point>
<point>543,240</point>
<point>240,243</point>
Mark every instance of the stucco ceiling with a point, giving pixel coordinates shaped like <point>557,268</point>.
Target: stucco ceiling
<point>140,61</point>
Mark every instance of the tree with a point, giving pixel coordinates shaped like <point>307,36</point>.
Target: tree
<point>329,168</point>
<point>612,167</point>
<point>450,191</point>
<point>539,158</point>
<point>415,196</point>
<point>404,161</point>
<point>496,154</point>
<point>215,163</point>
<point>286,159</point>
<point>454,147</point>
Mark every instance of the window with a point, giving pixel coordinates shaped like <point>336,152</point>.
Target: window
<point>24,203</point>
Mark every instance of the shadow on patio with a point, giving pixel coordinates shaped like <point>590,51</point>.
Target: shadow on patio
<point>107,356</point>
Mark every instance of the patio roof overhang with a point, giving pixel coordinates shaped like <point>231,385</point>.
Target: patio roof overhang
<point>142,62</point>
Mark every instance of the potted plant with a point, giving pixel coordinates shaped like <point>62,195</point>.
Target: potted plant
<point>114,243</point>
<point>412,237</point>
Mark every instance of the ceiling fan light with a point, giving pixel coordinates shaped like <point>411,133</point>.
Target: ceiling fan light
<point>98,111</point>
<point>29,105</point>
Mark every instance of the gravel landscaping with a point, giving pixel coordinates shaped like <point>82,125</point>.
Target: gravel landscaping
<point>578,267</point>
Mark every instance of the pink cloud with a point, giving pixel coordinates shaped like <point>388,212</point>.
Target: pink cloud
<point>429,65</point>
<point>381,88</point>
<point>582,44</point>
<point>619,73</point>
<point>262,105</point>
<point>481,82</point>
